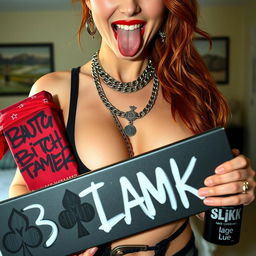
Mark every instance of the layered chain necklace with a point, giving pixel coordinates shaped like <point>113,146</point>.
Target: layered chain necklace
<point>128,87</point>
<point>134,86</point>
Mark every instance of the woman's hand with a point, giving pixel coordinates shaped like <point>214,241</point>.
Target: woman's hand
<point>88,252</point>
<point>230,179</point>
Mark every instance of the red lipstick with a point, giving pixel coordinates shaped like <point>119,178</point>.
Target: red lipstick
<point>129,22</point>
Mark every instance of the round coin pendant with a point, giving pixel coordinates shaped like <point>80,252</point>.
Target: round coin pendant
<point>130,130</point>
<point>131,115</point>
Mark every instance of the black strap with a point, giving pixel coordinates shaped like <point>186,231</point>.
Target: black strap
<point>73,100</point>
<point>72,118</point>
<point>188,249</point>
<point>160,248</point>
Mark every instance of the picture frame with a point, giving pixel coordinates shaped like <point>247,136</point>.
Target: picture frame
<point>22,64</point>
<point>216,58</point>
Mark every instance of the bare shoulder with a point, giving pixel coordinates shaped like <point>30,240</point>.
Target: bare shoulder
<point>56,83</point>
<point>52,82</point>
<point>59,85</point>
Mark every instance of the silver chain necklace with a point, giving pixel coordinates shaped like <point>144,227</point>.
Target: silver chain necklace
<point>128,87</point>
<point>130,115</point>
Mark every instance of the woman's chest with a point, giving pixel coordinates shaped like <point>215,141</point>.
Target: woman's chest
<point>100,139</point>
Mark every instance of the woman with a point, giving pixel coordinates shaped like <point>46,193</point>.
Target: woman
<point>149,42</point>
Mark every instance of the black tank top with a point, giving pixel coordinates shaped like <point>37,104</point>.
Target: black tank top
<point>104,250</point>
<point>72,118</point>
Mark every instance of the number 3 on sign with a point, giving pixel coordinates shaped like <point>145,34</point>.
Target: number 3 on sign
<point>40,222</point>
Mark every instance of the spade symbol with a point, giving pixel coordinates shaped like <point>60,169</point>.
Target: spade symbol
<point>75,213</point>
<point>22,236</point>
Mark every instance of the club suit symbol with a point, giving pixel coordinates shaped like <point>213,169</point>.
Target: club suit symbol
<point>22,236</point>
<point>75,213</point>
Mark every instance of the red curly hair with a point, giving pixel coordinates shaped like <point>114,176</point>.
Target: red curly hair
<point>186,82</point>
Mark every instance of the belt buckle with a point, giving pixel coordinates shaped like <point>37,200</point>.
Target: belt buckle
<point>125,249</point>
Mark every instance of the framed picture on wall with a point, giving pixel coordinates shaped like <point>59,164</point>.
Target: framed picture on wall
<point>216,58</point>
<point>22,64</point>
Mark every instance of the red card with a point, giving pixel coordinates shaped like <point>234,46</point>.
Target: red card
<point>35,134</point>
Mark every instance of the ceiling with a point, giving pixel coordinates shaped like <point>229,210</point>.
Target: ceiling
<point>37,5</point>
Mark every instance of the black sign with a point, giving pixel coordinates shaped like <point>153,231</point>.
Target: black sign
<point>117,201</point>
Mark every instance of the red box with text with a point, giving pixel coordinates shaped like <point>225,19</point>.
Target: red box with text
<point>35,133</point>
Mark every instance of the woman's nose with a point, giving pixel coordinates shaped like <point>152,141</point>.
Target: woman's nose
<point>129,7</point>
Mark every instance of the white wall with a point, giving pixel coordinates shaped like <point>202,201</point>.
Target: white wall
<point>250,97</point>
<point>236,22</point>
<point>58,27</point>
<point>229,21</point>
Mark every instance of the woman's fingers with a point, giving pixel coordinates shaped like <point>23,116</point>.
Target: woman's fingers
<point>230,200</point>
<point>228,186</point>
<point>234,189</point>
<point>237,175</point>
<point>88,252</point>
<point>224,189</point>
<point>239,162</point>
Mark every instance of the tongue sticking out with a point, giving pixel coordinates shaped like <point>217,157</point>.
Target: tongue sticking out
<point>128,41</point>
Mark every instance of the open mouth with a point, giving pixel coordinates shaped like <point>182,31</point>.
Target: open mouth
<point>128,26</point>
<point>129,36</point>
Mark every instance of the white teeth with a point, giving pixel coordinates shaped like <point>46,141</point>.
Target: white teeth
<point>127,27</point>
